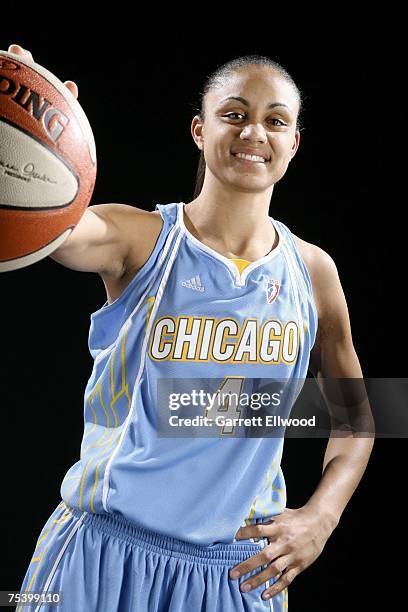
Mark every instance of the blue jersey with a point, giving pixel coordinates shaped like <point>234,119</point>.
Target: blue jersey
<point>191,313</point>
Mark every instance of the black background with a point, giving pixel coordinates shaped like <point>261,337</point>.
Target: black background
<point>139,78</point>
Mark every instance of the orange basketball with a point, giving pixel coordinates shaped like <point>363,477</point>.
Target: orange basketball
<point>47,162</point>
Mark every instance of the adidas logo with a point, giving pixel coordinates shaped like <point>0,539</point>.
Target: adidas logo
<point>193,283</point>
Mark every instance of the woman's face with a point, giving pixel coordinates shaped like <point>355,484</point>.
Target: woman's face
<point>263,121</point>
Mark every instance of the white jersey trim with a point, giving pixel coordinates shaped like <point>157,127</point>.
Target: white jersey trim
<point>240,278</point>
<point>59,557</point>
<point>295,289</point>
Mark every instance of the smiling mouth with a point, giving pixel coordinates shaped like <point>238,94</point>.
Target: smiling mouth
<point>250,161</point>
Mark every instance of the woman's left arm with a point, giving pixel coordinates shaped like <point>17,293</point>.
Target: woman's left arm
<point>297,536</point>
<point>335,364</point>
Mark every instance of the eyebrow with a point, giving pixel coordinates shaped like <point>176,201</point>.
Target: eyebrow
<point>246,103</point>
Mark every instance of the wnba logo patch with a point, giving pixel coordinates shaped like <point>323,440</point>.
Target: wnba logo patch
<point>272,289</point>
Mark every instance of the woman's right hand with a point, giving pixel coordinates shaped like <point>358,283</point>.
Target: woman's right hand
<point>27,54</point>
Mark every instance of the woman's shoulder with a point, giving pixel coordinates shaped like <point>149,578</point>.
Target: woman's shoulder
<point>321,267</point>
<point>315,258</point>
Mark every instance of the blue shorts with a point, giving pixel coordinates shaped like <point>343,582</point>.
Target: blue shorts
<point>102,563</point>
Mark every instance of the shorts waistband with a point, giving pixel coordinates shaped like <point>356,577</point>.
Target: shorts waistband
<point>117,526</point>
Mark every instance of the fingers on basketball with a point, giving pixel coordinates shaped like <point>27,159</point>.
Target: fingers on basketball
<point>14,48</point>
<point>73,88</point>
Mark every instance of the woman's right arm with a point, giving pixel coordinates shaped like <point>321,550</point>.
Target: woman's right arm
<point>107,239</point>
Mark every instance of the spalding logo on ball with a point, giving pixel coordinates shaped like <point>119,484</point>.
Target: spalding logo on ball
<point>47,162</point>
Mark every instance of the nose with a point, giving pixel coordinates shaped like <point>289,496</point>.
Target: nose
<point>254,132</point>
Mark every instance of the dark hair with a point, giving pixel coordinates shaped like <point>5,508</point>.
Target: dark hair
<point>217,79</point>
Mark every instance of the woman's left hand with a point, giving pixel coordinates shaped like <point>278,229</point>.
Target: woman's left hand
<point>296,538</point>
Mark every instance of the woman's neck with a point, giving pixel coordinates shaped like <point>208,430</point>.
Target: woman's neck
<point>236,227</point>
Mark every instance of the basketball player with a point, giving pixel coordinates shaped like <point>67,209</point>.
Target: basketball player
<point>216,290</point>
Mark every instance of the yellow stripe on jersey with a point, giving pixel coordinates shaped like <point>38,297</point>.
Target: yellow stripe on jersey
<point>240,263</point>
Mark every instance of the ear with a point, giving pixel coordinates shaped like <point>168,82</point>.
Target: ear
<point>197,131</point>
<point>295,144</point>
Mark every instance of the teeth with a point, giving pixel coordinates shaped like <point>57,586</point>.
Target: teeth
<point>250,157</point>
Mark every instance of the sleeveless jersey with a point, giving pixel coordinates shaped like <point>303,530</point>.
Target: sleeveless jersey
<point>191,313</point>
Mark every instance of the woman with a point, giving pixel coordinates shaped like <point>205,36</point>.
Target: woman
<point>215,292</point>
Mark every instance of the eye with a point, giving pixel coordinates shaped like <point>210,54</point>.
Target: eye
<point>281,122</point>
<point>229,114</point>
<point>241,115</point>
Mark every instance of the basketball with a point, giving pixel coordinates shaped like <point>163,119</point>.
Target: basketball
<point>47,162</point>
